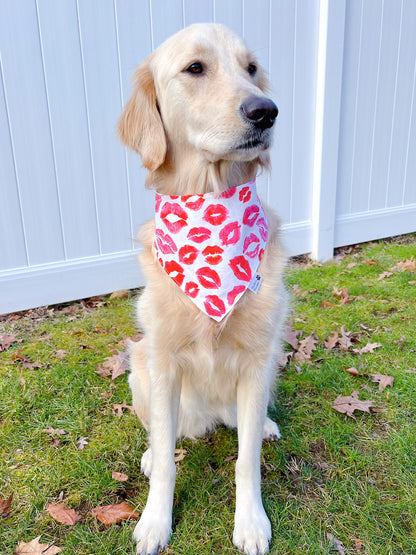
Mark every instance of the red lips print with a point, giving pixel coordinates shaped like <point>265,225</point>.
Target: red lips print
<point>228,193</point>
<point>193,202</point>
<point>199,234</point>
<point>251,214</point>
<point>263,228</point>
<point>158,200</point>
<point>233,293</point>
<point>165,243</point>
<point>241,268</point>
<point>213,254</point>
<point>173,216</point>
<point>188,254</point>
<point>245,194</point>
<point>208,278</point>
<point>251,245</point>
<point>192,289</point>
<point>175,272</point>
<point>230,233</point>
<point>215,214</point>
<point>214,306</point>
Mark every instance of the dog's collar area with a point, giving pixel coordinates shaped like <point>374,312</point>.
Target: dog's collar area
<point>211,244</point>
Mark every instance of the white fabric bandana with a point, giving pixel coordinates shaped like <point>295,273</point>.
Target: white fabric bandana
<point>211,245</point>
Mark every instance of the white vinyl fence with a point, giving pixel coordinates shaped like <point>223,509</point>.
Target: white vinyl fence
<point>72,199</point>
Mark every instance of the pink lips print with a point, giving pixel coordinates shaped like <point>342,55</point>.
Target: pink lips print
<point>193,202</point>
<point>245,194</point>
<point>233,293</point>
<point>175,271</point>
<point>208,278</point>
<point>215,214</point>
<point>263,228</point>
<point>213,255</point>
<point>251,214</point>
<point>188,254</point>
<point>251,245</point>
<point>199,234</point>
<point>173,216</point>
<point>192,289</point>
<point>230,233</point>
<point>214,306</point>
<point>165,243</point>
<point>241,268</point>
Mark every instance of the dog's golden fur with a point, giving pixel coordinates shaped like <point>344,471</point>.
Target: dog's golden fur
<point>190,373</point>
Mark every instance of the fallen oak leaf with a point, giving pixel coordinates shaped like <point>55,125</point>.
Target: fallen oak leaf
<point>63,514</point>
<point>118,408</point>
<point>52,431</point>
<point>382,380</point>
<point>331,341</point>
<point>5,505</point>
<point>342,295</point>
<point>180,454</point>
<point>36,548</point>
<point>291,336</point>
<point>347,405</point>
<point>408,265</point>
<point>337,544</point>
<point>352,371</point>
<point>369,348</point>
<point>384,275</point>
<point>112,514</point>
<point>119,477</point>
<point>306,347</point>
<point>7,340</point>
<point>81,442</point>
<point>113,366</point>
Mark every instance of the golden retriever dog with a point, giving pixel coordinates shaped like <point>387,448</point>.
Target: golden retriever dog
<point>200,118</point>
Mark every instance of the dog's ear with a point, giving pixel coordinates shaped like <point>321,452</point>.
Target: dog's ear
<point>140,126</point>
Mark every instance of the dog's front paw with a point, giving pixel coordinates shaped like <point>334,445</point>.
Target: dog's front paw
<point>271,430</point>
<point>151,533</point>
<point>252,531</point>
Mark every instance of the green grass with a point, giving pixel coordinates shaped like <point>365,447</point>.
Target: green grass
<point>328,474</point>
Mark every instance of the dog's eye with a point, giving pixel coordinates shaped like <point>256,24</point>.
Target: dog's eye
<point>195,68</point>
<point>252,69</point>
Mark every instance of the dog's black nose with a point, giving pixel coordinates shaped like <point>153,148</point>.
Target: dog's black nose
<point>261,112</point>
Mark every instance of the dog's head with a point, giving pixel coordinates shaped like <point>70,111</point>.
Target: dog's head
<point>202,93</point>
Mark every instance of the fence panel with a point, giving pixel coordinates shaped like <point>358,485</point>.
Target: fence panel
<point>72,199</point>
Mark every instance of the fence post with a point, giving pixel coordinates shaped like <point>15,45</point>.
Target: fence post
<point>327,121</point>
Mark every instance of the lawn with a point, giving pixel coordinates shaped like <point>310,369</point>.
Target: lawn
<point>64,428</point>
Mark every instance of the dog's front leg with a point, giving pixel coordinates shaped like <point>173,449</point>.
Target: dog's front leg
<point>252,530</point>
<point>155,525</point>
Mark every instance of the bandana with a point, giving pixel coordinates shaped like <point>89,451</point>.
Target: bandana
<point>211,245</point>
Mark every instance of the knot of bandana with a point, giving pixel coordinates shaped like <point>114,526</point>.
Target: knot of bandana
<point>211,245</point>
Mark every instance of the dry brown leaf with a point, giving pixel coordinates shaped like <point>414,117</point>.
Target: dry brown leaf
<point>369,348</point>
<point>111,514</point>
<point>347,405</point>
<point>346,339</point>
<point>122,294</point>
<point>180,454</point>
<point>60,353</point>
<point>62,513</point>
<point>118,408</point>
<point>326,304</point>
<point>81,442</point>
<point>114,366</point>
<point>36,548</point>
<point>382,380</point>
<point>371,262</point>
<point>352,371</point>
<point>351,265</point>
<point>337,544</point>
<point>331,341</point>
<point>22,381</point>
<point>291,336</point>
<point>306,347</point>
<point>342,295</point>
<point>54,431</point>
<point>384,275</point>
<point>358,543</point>
<point>411,282</point>
<point>5,505</point>
<point>296,290</point>
<point>119,477</point>
<point>7,340</point>
<point>408,265</point>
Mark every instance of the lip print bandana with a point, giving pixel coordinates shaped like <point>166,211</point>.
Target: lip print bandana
<point>211,245</point>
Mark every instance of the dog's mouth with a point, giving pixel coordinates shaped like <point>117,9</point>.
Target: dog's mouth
<point>254,143</point>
